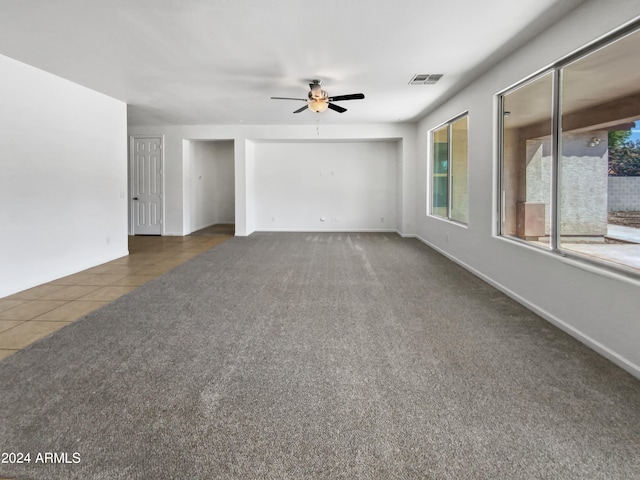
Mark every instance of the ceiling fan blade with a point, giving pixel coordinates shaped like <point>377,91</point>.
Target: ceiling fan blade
<point>337,108</point>
<point>288,98</point>
<point>353,96</point>
<point>301,109</point>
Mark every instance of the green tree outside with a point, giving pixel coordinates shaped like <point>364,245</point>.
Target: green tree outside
<point>617,138</point>
<point>624,159</point>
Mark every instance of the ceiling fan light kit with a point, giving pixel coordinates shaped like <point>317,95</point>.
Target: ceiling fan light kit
<point>319,100</point>
<point>318,105</point>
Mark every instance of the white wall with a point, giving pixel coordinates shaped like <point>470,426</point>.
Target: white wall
<point>326,186</point>
<point>224,171</point>
<point>595,305</point>
<point>212,183</point>
<point>63,177</point>
<point>247,140</point>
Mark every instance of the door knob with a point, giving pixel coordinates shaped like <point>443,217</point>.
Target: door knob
<point>135,198</point>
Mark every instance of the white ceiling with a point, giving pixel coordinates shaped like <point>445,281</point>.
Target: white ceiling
<point>219,61</point>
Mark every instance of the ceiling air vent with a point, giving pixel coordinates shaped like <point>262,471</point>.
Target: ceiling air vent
<point>425,78</point>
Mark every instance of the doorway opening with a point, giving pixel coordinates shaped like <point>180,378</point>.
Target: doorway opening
<point>212,187</point>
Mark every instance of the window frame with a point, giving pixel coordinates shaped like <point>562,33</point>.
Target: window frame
<point>431,174</point>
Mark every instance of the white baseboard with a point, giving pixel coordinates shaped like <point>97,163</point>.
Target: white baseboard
<point>406,235</point>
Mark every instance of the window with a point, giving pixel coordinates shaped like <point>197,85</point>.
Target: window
<point>567,136</point>
<point>526,161</point>
<point>449,175</point>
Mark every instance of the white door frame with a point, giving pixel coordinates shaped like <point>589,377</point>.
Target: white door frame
<point>132,139</point>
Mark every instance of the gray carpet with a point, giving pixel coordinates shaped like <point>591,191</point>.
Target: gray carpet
<point>303,356</point>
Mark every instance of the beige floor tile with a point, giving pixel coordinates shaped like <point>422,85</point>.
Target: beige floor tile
<point>75,279</point>
<point>125,260</point>
<point>216,241</point>
<point>169,263</point>
<point>184,256</point>
<point>197,250</point>
<point>105,279</point>
<point>26,333</point>
<point>34,293</point>
<point>118,260</point>
<point>117,269</point>
<point>135,264</point>
<point>172,250</point>
<point>104,268</point>
<point>155,270</point>
<point>149,258</point>
<point>70,312</point>
<point>82,278</point>
<point>108,293</point>
<point>7,303</point>
<point>4,353</point>
<point>30,309</point>
<point>133,280</point>
<point>125,269</point>
<point>71,292</point>
<point>7,324</point>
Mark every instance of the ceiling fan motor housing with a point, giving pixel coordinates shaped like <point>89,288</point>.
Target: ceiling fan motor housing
<point>318,95</point>
<point>316,91</point>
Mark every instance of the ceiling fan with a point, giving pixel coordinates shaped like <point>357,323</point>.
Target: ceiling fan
<point>319,100</point>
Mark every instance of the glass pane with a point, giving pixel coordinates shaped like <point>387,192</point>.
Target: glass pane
<point>440,184</point>
<point>526,162</point>
<point>459,170</point>
<point>600,107</point>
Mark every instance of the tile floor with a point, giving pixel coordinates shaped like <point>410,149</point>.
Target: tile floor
<point>35,313</point>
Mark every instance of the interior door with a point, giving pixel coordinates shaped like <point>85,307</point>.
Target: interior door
<point>146,185</point>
